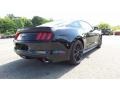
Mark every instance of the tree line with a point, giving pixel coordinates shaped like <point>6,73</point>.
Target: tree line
<point>105,26</point>
<point>10,23</point>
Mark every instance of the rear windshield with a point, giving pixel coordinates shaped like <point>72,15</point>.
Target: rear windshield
<point>56,23</point>
<point>68,23</point>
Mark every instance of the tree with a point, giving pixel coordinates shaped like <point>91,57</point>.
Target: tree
<point>11,16</point>
<point>19,23</point>
<point>36,20</point>
<point>1,26</point>
<point>104,26</point>
<point>9,24</point>
<point>116,28</point>
<point>26,22</point>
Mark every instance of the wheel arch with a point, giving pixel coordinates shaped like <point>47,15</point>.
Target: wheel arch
<point>80,39</point>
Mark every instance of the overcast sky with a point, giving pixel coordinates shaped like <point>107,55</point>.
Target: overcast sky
<point>93,11</point>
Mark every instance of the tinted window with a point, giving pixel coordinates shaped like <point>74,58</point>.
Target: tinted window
<point>87,27</point>
<point>74,24</point>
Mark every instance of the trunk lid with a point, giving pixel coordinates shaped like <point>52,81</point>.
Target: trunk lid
<point>35,34</point>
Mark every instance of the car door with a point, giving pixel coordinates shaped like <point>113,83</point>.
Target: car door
<point>88,35</point>
<point>96,36</point>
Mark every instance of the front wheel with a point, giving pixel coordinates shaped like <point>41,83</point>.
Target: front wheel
<point>76,52</point>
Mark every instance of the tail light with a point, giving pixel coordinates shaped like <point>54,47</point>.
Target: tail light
<point>16,35</point>
<point>44,36</point>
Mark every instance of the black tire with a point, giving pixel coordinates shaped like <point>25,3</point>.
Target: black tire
<point>76,53</point>
<point>99,42</point>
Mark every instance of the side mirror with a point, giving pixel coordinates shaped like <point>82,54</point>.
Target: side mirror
<point>95,28</point>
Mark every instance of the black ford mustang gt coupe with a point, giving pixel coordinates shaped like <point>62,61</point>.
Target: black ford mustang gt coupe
<point>57,41</point>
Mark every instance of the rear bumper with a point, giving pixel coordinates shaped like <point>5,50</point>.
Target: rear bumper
<point>53,51</point>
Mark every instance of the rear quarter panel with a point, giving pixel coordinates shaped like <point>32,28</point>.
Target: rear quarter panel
<point>67,34</point>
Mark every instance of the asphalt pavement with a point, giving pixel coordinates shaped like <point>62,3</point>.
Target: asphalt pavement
<point>103,63</point>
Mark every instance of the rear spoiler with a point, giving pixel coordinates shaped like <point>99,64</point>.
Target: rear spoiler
<point>35,29</point>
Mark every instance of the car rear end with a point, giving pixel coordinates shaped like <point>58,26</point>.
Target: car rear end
<point>40,42</point>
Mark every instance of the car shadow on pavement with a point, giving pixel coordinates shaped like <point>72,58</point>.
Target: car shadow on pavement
<point>33,69</point>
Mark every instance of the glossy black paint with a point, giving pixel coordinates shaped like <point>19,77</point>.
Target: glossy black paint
<point>59,47</point>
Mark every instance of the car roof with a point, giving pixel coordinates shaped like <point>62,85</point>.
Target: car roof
<point>59,23</point>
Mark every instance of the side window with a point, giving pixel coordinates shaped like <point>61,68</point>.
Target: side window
<point>75,24</point>
<point>86,26</point>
